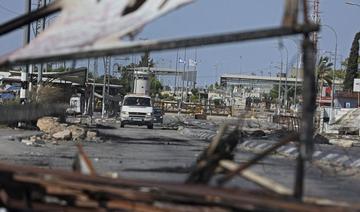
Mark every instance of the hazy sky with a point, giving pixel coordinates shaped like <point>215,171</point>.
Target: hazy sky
<point>214,16</point>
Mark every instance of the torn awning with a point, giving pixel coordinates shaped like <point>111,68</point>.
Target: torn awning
<point>89,25</point>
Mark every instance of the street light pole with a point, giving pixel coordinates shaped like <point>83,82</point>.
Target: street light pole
<point>183,78</point>
<point>279,90</point>
<point>240,68</point>
<point>333,74</point>
<point>286,76</point>
<point>176,70</point>
<point>297,68</point>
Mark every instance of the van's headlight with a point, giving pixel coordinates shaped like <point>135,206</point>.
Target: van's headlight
<point>149,114</point>
<point>124,113</point>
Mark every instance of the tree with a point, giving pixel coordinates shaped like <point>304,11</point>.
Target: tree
<point>211,87</point>
<point>352,66</point>
<point>274,93</point>
<point>155,86</point>
<point>146,61</point>
<point>323,73</point>
<point>127,76</point>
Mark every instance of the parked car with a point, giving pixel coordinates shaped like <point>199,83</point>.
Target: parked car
<point>158,115</point>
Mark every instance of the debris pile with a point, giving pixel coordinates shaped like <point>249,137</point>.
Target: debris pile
<point>54,130</point>
<point>32,188</point>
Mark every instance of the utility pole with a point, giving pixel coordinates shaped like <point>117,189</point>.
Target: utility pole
<point>286,78</point>
<point>333,72</point>
<point>41,25</point>
<point>195,74</point>
<point>176,70</point>
<point>316,19</point>
<point>279,89</point>
<point>93,88</point>
<point>183,78</point>
<point>24,72</point>
<point>107,65</point>
<point>38,28</point>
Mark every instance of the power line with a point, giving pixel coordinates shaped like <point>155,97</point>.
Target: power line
<point>8,10</point>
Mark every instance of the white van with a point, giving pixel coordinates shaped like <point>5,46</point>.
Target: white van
<point>137,110</point>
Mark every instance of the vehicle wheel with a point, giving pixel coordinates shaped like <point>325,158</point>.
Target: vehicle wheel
<point>150,126</point>
<point>122,125</point>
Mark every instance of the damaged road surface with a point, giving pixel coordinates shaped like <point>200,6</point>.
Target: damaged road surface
<point>167,156</point>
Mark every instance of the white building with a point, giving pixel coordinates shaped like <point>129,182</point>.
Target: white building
<point>142,82</point>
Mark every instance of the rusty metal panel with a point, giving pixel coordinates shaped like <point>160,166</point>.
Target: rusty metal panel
<point>91,24</point>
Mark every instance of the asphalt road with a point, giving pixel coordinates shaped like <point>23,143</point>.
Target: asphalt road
<point>165,155</point>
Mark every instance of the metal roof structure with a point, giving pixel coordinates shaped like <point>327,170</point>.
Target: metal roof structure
<point>263,78</point>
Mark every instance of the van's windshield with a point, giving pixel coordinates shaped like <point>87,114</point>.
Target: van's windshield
<point>137,101</point>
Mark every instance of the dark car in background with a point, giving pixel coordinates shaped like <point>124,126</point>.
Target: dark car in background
<point>158,115</point>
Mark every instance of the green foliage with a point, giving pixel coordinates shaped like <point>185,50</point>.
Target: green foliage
<point>195,91</point>
<point>214,86</point>
<point>194,98</point>
<point>155,86</point>
<point>340,74</point>
<point>127,77</point>
<point>274,93</point>
<point>217,102</point>
<point>353,64</point>
<point>211,87</point>
<point>146,61</point>
<point>167,97</point>
<point>324,71</point>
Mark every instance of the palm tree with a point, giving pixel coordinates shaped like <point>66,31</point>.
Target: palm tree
<point>323,73</point>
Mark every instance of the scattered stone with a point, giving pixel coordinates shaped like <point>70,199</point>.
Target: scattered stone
<point>349,131</point>
<point>27,142</point>
<point>258,133</point>
<point>252,124</point>
<point>40,142</point>
<point>319,139</point>
<point>46,137</point>
<point>91,135</point>
<point>77,132</point>
<point>33,139</point>
<point>50,125</point>
<point>63,135</point>
<point>342,142</point>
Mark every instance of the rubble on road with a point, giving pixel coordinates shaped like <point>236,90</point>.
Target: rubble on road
<point>91,135</point>
<point>63,135</point>
<point>50,125</point>
<point>33,141</point>
<point>77,132</point>
<point>55,131</point>
<point>38,189</point>
<point>346,143</point>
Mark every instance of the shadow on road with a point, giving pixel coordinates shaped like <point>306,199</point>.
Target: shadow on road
<point>145,140</point>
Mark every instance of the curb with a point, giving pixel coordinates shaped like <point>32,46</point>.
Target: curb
<point>201,134</point>
<point>291,151</point>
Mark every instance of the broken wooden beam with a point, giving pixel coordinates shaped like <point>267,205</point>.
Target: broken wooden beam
<point>123,48</point>
<point>261,181</point>
<point>284,141</point>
